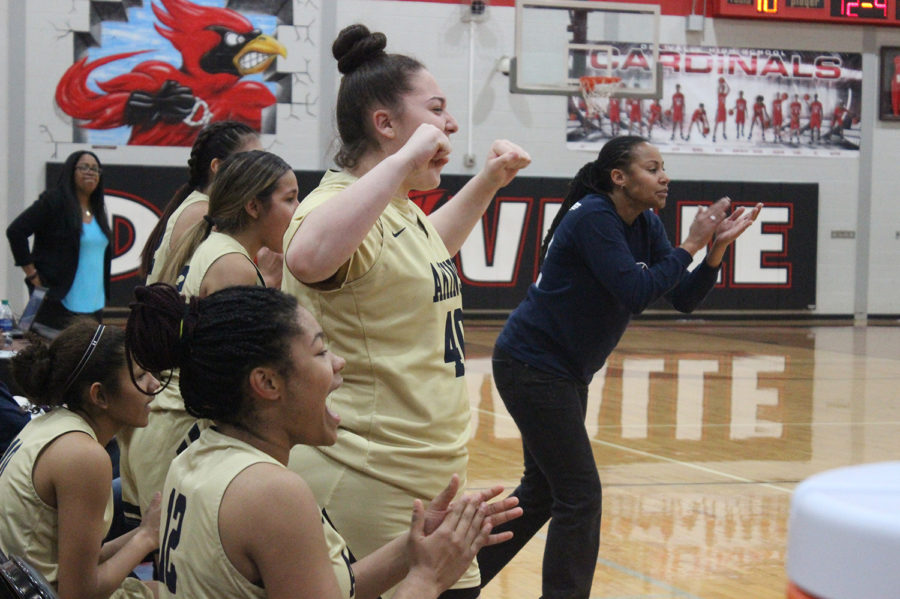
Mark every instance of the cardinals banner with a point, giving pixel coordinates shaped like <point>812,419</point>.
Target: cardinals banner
<point>164,69</point>
<point>771,267</point>
<point>746,101</point>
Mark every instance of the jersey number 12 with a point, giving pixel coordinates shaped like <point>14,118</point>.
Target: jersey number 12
<point>171,537</point>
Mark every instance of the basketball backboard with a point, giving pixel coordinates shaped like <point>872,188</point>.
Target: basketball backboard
<point>558,41</point>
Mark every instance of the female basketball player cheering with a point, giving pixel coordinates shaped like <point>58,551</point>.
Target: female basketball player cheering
<point>379,276</point>
<point>605,257</point>
<point>238,523</point>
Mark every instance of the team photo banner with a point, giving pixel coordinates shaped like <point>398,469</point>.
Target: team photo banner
<point>745,101</point>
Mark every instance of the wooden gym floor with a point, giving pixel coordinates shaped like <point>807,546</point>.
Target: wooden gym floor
<point>701,433</point>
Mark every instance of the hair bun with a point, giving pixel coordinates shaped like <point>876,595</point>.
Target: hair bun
<point>32,370</point>
<point>356,45</point>
<point>155,327</point>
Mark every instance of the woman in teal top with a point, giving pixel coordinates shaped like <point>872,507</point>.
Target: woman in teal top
<point>86,295</point>
<point>71,251</point>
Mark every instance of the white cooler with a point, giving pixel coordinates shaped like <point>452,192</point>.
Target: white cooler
<point>844,534</point>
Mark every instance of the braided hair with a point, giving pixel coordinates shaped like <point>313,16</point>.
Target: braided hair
<point>217,140</point>
<point>372,78</point>
<point>594,177</point>
<point>216,341</point>
<point>45,372</point>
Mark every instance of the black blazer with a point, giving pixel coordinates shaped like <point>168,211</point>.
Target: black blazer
<point>55,222</point>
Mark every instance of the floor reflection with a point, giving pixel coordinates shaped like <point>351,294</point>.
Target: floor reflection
<point>701,433</point>
<point>696,406</point>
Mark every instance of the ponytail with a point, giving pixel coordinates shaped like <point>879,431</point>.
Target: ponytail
<point>217,140</point>
<point>595,178</point>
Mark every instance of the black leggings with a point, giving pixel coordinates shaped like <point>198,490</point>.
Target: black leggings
<point>560,482</point>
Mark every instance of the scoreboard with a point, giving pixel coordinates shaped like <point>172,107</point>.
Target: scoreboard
<point>855,12</point>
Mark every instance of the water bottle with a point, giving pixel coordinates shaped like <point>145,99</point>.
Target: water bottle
<point>6,323</point>
<point>6,317</point>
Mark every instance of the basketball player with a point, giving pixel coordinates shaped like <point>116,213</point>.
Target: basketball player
<point>837,121</point>
<point>188,206</point>
<point>214,143</point>
<point>761,116</point>
<point>251,201</point>
<point>777,115</point>
<point>635,111</point>
<point>699,119</point>
<point>56,477</point>
<point>815,120</point>
<point>795,110</point>
<point>677,110</point>
<point>614,109</point>
<point>237,522</point>
<point>654,116</point>
<point>740,114</point>
<point>378,274</point>
<point>722,92</point>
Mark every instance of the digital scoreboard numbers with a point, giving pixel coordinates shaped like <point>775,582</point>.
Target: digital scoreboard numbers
<point>859,12</point>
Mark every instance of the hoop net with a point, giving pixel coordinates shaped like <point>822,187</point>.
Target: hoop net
<point>596,92</point>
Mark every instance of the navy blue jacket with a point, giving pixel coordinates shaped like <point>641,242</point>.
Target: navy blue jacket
<point>597,273</point>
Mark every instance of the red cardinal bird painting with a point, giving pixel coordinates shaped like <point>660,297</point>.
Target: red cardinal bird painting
<point>166,104</point>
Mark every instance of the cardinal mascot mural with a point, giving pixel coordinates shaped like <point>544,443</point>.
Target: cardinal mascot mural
<point>166,105</point>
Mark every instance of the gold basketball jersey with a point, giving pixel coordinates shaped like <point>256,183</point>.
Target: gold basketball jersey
<point>396,316</point>
<point>192,560</point>
<point>30,526</point>
<point>162,252</point>
<point>147,452</point>
<point>213,247</point>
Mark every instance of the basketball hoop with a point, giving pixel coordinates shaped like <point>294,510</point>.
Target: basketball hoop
<point>596,92</point>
